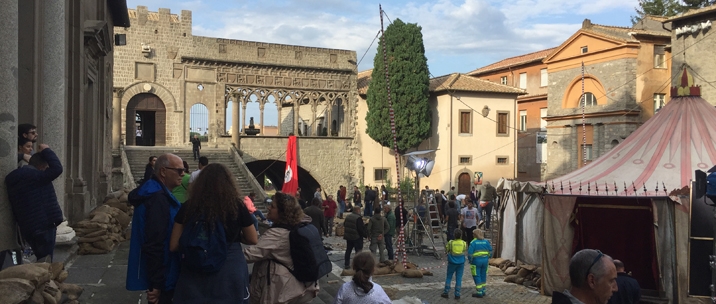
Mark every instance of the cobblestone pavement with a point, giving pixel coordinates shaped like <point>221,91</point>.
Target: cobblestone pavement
<point>429,288</point>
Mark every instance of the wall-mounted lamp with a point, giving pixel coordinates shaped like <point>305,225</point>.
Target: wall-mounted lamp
<point>485,111</point>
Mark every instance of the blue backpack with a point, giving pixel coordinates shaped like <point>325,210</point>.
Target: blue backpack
<point>203,245</point>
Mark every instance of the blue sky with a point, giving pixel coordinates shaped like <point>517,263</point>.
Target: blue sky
<point>459,35</point>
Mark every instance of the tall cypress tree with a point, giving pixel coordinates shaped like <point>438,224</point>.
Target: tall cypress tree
<point>665,8</point>
<point>409,84</point>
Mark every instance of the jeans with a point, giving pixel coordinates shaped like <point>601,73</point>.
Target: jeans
<point>389,245</point>
<point>196,154</point>
<point>350,245</point>
<point>451,232</point>
<point>256,222</point>
<point>259,214</point>
<point>488,213</point>
<point>368,209</point>
<point>341,208</point>
<point>378,244</point>
<point>456,269</point>
<point>42,243</point>
<point>479,274</point>
<point>467,234</point>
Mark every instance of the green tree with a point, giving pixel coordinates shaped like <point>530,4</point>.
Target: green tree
<point>409,84</point>
<point>694,4</point>
<point>665,8</point>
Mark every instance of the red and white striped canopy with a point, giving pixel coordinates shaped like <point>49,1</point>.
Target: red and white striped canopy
<point>657,158</point>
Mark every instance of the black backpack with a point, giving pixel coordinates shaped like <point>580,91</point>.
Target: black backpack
<point>310,260</point>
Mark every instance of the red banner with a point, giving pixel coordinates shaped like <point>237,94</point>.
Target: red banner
<point>290,181</point>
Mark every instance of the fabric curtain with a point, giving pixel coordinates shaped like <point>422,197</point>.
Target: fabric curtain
<point>558,237</point>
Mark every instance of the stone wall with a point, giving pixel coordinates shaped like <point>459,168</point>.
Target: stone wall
<point>564,135</point>
<point>692,49</point>
<point>331,161</point>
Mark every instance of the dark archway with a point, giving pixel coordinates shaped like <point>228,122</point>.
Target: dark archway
<point>274,171</point>
<point>146,121</point>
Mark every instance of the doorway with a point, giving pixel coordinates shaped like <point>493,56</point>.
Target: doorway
<point>463,185</point>
<point>146,121</point>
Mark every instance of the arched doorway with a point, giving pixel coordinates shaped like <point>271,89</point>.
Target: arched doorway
<point>146,121</point>
<point>199,122</point>
<point>463,184</point>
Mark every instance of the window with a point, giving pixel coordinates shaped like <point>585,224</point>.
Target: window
<point>543,77</point>
<point>503,123</point>
<point>659,102</point>
<point>465,122</point>
<point>588,100</point>
<point>523,120</point>
<point>543,122</point>
<point>523,80</point>
<point>584,49</point>
<point>465,160</point>
<point>380,174</point>
<point>502,160</point>
<point>503,80</point>
<point>659,57</point>
<point>588,151</point>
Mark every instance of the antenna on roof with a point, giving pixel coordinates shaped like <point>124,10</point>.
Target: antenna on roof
<point>616,189</point>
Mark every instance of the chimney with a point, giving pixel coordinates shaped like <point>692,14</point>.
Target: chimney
<point>586,24</point>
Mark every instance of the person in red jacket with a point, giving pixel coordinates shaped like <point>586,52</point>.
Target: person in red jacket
<point>329,212</point>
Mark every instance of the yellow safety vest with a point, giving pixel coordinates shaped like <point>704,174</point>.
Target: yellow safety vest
<point>457,247</point>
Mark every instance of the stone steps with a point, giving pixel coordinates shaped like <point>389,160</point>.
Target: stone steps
<point>137,159</point>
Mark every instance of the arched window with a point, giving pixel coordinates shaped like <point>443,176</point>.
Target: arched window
<point>588,100</point>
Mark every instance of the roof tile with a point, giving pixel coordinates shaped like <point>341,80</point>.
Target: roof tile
<point>513,61</point>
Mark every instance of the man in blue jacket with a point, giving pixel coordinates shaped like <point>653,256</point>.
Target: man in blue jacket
<point>151,265</point>
<point>34,202</point>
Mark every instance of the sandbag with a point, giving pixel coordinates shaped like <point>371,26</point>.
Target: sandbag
<point>340,230</point>
<point>72,291</point>
<point>95,233</point>
<point>101,217</point>
<point>55,269</point>
<point>412,273</point>
<point>15,290</point>
<point>382,271</point>
<point>93,239</point>
<point>36,273</point>
<point>63,276</point>
<point>426,272</point>
<point>510,270</point>
<point>529,267</point>
<point>106,245</point>
<point>115,203</point>
<point>123,219</point>
<point>52,293</point>
<point>496,262</point>
<point>87,248</point>
<point>511,278</point>
<point>398,267</point>
<point>523,272</point>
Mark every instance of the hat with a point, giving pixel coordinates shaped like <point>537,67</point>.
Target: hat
<point>387,203</point>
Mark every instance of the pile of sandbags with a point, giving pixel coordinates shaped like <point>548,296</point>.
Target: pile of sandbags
<point>340,229</point>
<point>519,273</point>
<point>410,271</point>
<point>37,283</point>
<point>106,225</point>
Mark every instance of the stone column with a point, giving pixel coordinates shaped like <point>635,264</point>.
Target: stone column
<point>8,115</point>
<point>53,89</point>
<point>116,118</point>
<point>328,118</point>
<point>278,120</point>
<point>261,126</point>
<point>235,136</point>
<point>243,116</point>
<point>314,124</point>
<point>296,103</point>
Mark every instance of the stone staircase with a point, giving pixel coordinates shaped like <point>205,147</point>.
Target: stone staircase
<point>137,158</point>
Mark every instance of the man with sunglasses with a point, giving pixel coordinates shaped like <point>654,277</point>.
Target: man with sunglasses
<point>151,266</point>
<point>593,277</point>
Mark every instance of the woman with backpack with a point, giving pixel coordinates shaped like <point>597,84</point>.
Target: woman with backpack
<point>362,289</point>
<point>271,277</point>
<point>214,199</point>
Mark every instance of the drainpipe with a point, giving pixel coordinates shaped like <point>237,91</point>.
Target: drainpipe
<point>451,123</point>
<point>514,134</point>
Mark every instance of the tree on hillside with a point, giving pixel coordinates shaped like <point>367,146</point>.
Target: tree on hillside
<point>694,4</point>
<point>409,84</point>
<point>665,8</point>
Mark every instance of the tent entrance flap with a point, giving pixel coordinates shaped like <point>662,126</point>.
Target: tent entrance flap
<point>622,229</point>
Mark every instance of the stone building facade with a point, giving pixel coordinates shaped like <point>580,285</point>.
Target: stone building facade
<point>527,72</point>
<point>164,71</point>
<point>692,38</point>
<point>309,86</point>
<point>625,78</point>
<point>56,61</point>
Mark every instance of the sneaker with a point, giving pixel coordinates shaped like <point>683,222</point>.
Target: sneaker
<point>445,295</point>
<point>477,295</point>
<point>457,297</point>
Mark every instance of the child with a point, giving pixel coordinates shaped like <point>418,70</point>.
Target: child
<point>456,263</point>
<point>480,252</point>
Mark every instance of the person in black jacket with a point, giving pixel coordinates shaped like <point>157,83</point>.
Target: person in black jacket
<point>34,202</point>
<point>629,289</point>
<point>316,214</point>
<point>149,168</point>
<point>196,146</point>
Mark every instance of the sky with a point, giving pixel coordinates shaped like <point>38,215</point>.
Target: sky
<point>459,35</point>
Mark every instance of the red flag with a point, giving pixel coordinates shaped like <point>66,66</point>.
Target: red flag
<point>290,181</point>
